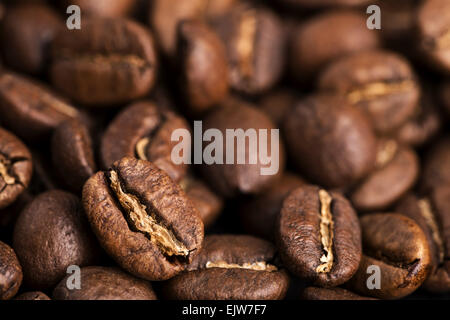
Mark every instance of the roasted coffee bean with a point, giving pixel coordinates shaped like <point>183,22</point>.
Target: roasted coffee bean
<point>318,236</point>
<point>231,179</point>
<point>208,204</point>
<point>10,272</point>
<point>436,168</point>
<point>331,141</point>
<point>398,247</point>
<point>102,283</point>
<point>432,214</point>
<point>433,21</point>
<point>143,219</point>
<point>27,31</point>
<point>255,41</point>
<point>30,109</point>
<point>15,168</point>
<point>397,168</point>
<point>231,267</point>
<point>424,124</point>
<point>104,8</point>
<point>165,15</point>
<point>144,131</point>
<point>316,293</point>
<point>326,37</point>
<point>259,213</point>
<point>277,104</point>
<point>73,154</point>
<point>379,82</point>
<point>33,295</point>
<point>203,65</point>
<point>325,3</point>
<point>107,62</point>
<point>50,234</point>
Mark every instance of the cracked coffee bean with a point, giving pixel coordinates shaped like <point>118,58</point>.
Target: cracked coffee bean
<point>259,213</point>
<point>33,295</point>
<point>50,234</point>
<point>107,62</point>
<point>436,168</point>
<point>143,219</point>
<point>203,65</point>
<point>27,31</point>
<point>255,41</point>
<point>15,168</point>
<point>433,24</point>
<point>396,245</point>
<point>104,283</point>
<point>73,154</point>
<point>318,236</point>
<point>317,293</point>
<point>144,130</point>
<point>30,109</point>
<point>379,82</point>
<point>396,171</point>
<point>10,272</point>
<point>231,267</point>
<point>432,214</point>
<point>323,38</point>
<point>232,179</point>
<point>331,141</point>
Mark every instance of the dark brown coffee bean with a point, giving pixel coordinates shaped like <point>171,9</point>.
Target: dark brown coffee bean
<point>208,204</point>
<point>104,8</point>
<point>326,37</point>
<point>277,104</point>
<point>10,272</point>
<point>165,15</point>
<point>230,179</point>
<point>33,295</point>
<point>101,283</point>
<point>15,168</point>
<point>107,62</point>
<point>231,267</point>
<point>27,31</point>
<point>255,42</point>
<point>50,235</point>
<point>203,65</point>
<point>396,245</point>
<point>30,109</point>
<point>436,169</point>
<point>379,82</point>
<point>331,141</point>
<point>432,214</point>
<point>259,214</point>
<point>315,293</point>
<point>143,219</point>
<point>318,236</point>
<point>326,3</point>
<point>424,124</point>
<point>397,168</point>
<point>433,21</point>
<point>144,131</point>
<point>73,154</point>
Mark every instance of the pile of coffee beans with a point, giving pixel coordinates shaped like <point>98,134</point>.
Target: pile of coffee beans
<point>353,117</point>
